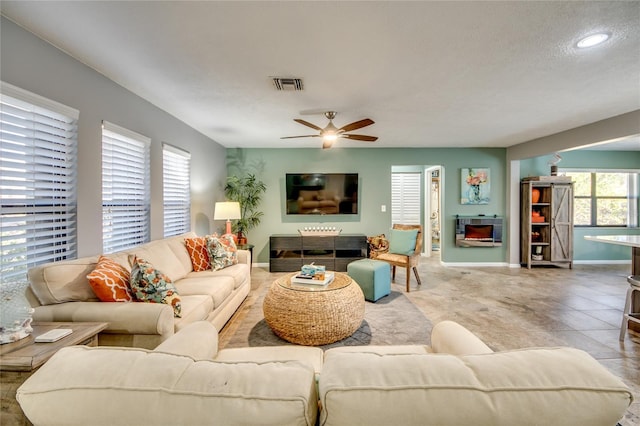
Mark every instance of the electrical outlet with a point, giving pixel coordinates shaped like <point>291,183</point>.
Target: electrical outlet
<point>383,208</point>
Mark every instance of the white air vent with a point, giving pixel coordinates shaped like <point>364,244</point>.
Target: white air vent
<point>287,84</point>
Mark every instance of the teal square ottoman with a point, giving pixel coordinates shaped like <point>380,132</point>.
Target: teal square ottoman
<point>373,277</point>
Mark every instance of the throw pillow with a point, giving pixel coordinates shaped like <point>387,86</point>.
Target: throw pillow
<point>222,251</point>
<point>377,245</point>
<point>197,248</point>
<point>402,241</point>
<point>110,281</point>
<point>150,285</point>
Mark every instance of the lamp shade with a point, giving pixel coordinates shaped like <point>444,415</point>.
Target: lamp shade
<point>226,210</point>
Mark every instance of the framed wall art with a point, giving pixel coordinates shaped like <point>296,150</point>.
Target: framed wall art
<point>475,186</point>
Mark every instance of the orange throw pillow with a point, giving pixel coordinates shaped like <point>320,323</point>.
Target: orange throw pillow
<point>110,281</point>
<point>197,248</point>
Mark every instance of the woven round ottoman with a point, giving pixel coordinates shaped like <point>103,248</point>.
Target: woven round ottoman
<point>373,277</point>
<point>313,315</point>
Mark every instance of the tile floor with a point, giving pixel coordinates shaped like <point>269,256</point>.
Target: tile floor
<point>511,308</point>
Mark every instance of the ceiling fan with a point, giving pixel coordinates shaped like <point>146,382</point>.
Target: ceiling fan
<point>331,133</point>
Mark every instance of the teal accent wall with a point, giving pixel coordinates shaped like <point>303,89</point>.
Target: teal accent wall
<point>584,250</point>
<point>374,166</point>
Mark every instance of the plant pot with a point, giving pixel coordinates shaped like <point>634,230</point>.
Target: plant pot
<point>241,239</point>
<point>535,195</point>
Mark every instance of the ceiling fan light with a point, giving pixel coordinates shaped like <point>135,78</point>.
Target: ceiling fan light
<point>592,40</point>
<point>330,137</point>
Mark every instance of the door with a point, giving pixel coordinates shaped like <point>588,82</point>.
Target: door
<point>562,223</point>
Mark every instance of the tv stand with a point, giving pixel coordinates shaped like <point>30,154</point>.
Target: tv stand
<point>287,253</point>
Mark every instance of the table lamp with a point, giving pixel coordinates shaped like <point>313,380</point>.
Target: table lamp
<point>227,210</point>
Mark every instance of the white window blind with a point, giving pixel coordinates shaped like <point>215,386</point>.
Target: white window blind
<point>125,188</point>
<point>38,161</point>
<point>405,198</point>
<point>176,166</point>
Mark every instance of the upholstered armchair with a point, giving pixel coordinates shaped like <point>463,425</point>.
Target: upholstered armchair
<point>404,251</point>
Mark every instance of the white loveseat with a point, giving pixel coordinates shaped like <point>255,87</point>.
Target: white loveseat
<point>60,291</point>
<point>457,381</point>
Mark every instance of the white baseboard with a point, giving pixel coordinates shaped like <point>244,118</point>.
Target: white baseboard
<point>602,262</point>
<point>476,264</point>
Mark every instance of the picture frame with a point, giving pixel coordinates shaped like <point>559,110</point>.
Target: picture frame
<point>475,185</point>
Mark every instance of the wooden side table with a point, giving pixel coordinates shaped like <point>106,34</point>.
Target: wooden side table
<point>19,360</point>
<point>247,247</point>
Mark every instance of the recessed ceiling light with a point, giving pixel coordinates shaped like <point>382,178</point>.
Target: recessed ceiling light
<point>592,40</point>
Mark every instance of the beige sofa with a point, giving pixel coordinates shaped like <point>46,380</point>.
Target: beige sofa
<point>457,381</point>
<point>60,291</point>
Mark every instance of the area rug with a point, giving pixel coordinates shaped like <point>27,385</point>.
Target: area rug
<point>392,320</point>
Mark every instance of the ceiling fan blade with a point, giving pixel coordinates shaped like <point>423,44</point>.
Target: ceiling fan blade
<point>306,123</point>
<point>357,125</point>
<point>302,136</point>
<point>360,137</point>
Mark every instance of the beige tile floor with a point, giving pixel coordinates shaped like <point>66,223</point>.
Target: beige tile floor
<point>511,308</point>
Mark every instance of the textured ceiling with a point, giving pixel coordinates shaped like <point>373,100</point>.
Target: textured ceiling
<point>430,74</point>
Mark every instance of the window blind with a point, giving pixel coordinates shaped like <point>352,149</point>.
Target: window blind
<point>405,198</point>
<point>38,162</point>
<point>125,188</point>
<point>176,166</point>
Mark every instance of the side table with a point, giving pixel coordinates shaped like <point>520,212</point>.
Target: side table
<point>247,247</point>
<point>314,315</point>
<point>19,360</point>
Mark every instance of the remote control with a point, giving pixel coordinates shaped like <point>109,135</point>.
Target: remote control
<point>53,335</point>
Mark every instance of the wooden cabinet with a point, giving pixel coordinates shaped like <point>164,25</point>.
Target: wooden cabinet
<point>287,253</point>
<point>546,223</point>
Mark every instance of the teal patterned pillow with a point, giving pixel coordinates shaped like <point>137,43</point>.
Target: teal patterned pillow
<point>222,251</point>
<point>152,286</point>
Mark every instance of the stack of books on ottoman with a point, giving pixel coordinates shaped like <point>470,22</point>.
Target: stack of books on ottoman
<point>313,275</point>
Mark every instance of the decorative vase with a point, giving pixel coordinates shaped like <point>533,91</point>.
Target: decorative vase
<point>242,239</point>
<point>474,193</point>
<point>535,195</point>
<point>15,312</point>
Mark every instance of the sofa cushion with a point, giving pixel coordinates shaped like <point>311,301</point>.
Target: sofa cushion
<point>169,253</point>
<point>543,386</point>
<point>176,244</point>
<point>240,273</point>
<point>152,388</point>
<point>307,354</point>
<point>194,308</point>
<point>64,281</point>
<point>198,253</point>
<point>110,281</point>
<point>198,340</point>
<point>148,284</point>
<point>197,284</point>
<point>222,251</point>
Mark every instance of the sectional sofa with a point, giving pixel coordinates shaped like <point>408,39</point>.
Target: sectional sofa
<point>60,291</point>
<point>457,381</point>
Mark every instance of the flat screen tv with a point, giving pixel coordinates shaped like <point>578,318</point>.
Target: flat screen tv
<point>322,193</point>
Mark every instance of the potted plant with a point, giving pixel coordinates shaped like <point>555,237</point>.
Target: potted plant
<point>247,190</point>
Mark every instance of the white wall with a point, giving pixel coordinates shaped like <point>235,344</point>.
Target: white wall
<point>34,65</point>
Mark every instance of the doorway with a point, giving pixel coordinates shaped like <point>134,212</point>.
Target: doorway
<point>416,198</point>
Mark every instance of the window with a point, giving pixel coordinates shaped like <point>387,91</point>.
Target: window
<point>605,198</point>
<point>405,198</point>
<point>38,209</point>
<point>176,190</point>
<point>125,188</point>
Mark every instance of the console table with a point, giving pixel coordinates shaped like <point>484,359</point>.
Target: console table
<point>287,253</point>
